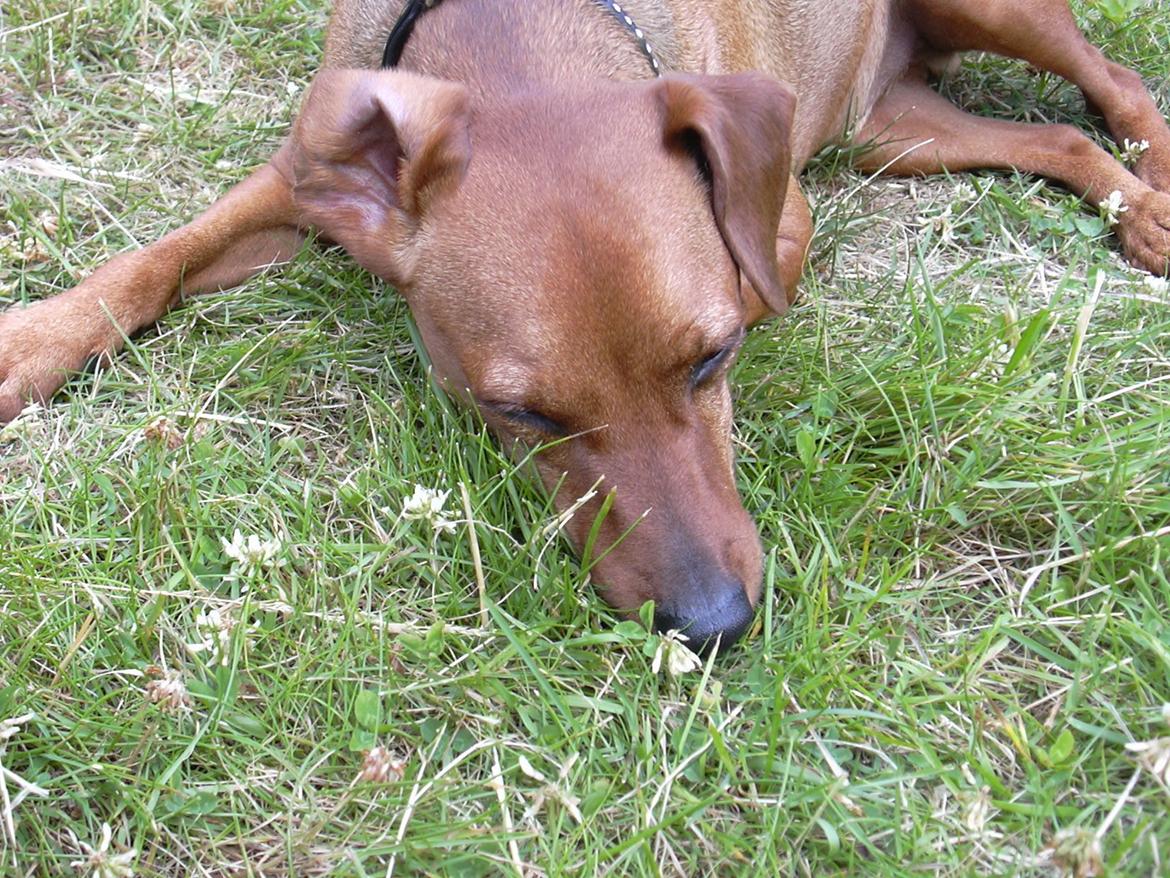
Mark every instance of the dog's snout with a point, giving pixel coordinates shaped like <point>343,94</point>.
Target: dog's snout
<point>714,619</point>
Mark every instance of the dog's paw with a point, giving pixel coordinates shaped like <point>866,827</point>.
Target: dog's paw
<point>1153,169</point>
<point>1144,231</point>
<point>40,346</point>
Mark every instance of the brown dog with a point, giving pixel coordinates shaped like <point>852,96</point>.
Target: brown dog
<point>582,243</point>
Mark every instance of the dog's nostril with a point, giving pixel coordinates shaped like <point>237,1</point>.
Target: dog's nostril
<point>706,625</point>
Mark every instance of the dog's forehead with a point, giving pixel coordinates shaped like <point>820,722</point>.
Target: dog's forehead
<point>582,145</point>
<point>563,193</point>
<point>578,244</point>
<point>571,118</point>
<point>596,316</point>
<point>587,260</point>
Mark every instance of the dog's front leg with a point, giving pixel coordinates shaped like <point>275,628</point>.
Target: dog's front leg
<point>914,130</point>
<point>253,226</point>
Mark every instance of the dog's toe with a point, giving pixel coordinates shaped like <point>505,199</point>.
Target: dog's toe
<point>1145,233</point>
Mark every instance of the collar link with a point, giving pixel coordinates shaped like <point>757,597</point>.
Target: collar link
<point>404,27</point>
<point>623,16</point>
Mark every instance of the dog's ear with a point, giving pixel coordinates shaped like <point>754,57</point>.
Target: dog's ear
<point>740,124</point>
<point>372,151</point>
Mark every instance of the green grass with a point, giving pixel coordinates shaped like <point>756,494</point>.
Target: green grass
<point>956,447</point>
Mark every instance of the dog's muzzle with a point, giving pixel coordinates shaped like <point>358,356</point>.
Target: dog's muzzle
<point>715,621</point>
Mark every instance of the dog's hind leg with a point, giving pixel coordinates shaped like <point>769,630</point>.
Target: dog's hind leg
<point>913,130</point>
<point>1045,34</point>
<point>253,226</point>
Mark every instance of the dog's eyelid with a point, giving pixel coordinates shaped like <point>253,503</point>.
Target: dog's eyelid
<point>711,363</point>
<point>521,415</point>
<point>706,368</point>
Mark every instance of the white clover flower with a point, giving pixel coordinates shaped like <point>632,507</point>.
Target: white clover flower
<point>943,223</point>
<point>1113,207</point>
<point>557,791</point>
<point>381,766</point>
<point>679,657</point>
<point>426,504</point>
<point>1159,286</point>
<point>965,191</point>
<point>1077,851</point>
<point>216,627</point>
<point>1131,150</point>
<point>168,691</point>
<point>163,431</point>
<point>251,554</point>
<point>997,359</point>
<point>1154,756</point>
<point>99,862</point>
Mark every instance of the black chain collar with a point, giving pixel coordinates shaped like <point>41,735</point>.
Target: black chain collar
<point>404,27</point>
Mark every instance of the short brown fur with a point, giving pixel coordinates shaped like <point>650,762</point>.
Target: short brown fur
<point>582,245</point>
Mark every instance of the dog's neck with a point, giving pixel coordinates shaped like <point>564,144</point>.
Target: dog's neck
<point>498,47</point>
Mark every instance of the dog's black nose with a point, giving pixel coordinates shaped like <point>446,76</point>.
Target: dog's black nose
<point>717,618</point>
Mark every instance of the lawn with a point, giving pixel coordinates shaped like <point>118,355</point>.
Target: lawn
<point>956,448</point>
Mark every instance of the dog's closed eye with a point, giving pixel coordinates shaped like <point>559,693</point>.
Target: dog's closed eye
<point>527,419</point>
<point>713,362</point>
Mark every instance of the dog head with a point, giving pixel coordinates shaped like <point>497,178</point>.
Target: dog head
<point>581,264</point>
